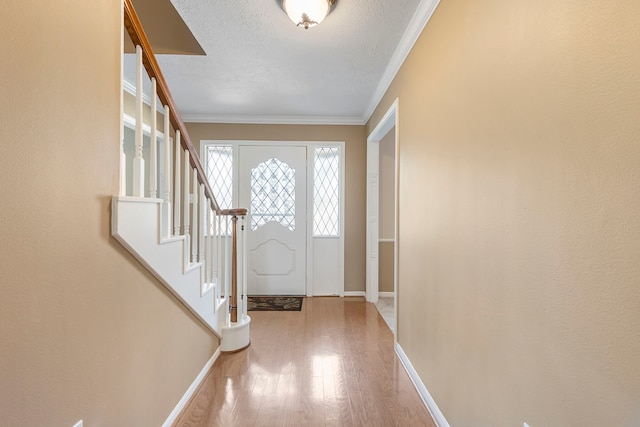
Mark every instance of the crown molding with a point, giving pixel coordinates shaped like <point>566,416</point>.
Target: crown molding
<point>272,120</point>
<point>418,22</point>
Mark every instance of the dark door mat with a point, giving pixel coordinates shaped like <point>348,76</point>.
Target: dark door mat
<point>274,303</point>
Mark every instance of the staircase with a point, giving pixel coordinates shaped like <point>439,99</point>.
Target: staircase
<point>168,217</point>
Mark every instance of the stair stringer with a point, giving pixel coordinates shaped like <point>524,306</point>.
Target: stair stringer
<point>136,224</point>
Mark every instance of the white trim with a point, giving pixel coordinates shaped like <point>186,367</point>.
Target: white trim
<point>343,211</point>
<point>354,294</point>
<point>309,219</point>
<point>81,423</point>
<point>418,22</point>
<point>396,221</point>
<point>277,143</point>
<point>387,294</point>
<point>372,219</point>
<point>272,120</point>
<point>388,121</point>
<point>431,405</point>
<point>130,122</point>
<point>386,240</point>
<point>173,416</point>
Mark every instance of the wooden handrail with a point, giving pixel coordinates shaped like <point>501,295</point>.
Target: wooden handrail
<point>139,38</point>
<point>134,27</point>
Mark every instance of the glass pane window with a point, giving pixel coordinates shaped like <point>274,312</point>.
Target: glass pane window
<point>273,185</point>
<point>326,192</point>
<point>219,167</point>
<point>219,172</point>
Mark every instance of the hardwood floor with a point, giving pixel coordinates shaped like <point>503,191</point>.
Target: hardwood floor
<point>331,364</point>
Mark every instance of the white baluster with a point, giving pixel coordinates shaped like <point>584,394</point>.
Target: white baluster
<point>186,228</point>
<point>212,245</point>
<point>219,258</point>
<point>211,259</point>
<point>166,205</point>
<point>176,187</point>
<point>195,232</point>
<point>244,270</point>
<point>227,258</point>
<point>213,241</point>
<point>153,147</point>
<point>123,168</point>
<point>204,235</point>
<point>202,213</point>
<point>211,253</point>
<point>138,160</point>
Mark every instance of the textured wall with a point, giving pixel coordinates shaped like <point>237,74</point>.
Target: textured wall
<point>519,208</point>
<point>385,266</point>
<point>355,171</point>
<point>387,201</point>
<point>86,332</point>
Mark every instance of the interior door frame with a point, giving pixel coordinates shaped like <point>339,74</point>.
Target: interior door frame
<point>388,121</point>
<point>310,145</point>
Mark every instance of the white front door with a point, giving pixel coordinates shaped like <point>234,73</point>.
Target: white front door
<point>273,186</point>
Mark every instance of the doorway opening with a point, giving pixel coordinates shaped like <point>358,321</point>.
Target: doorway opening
<point>382,217</point>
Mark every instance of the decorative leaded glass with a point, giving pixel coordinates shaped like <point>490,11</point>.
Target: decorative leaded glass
<point>219,163</point>
<point>273,185</point>
<point>326,192</point>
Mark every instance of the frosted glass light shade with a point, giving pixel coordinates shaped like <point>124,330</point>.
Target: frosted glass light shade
<point>306,13</point>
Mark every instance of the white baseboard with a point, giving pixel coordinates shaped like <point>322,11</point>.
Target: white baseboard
<point>433,409</point>
<point>173,416</point>
<point>354,293</point>
<point>386,294</point>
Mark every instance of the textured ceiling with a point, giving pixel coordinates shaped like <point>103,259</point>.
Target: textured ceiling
<point>260,68</point>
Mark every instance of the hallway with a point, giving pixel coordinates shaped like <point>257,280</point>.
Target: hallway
<point>332,364</point>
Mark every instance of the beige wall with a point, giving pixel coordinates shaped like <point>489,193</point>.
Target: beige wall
<point>129,107</point>
<point>519,286</point>
<point>355,171</point>
<point>387,201</point>
<point>86,332</point>
<point>387,179</point>
<point>385,266</point>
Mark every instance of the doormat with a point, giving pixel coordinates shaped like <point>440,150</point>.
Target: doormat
<point>274,303</point>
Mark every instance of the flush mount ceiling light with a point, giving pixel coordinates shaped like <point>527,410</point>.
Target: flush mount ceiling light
<point>307,13</point>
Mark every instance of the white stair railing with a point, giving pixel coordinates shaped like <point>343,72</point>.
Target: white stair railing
<point>187,209</point>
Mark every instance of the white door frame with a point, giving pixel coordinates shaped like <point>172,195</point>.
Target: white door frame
<point>388,121</point>
<point>310,146</point>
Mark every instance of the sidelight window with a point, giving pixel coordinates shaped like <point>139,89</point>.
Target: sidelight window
<point>326,192</point>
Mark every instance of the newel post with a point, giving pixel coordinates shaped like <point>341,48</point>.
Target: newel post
<point>234,270</point>
<point>233,298</point>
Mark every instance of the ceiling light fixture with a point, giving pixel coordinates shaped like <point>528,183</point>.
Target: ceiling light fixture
<point>307,13</point>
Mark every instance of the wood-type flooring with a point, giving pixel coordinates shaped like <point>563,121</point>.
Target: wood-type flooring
<point>331,364</point>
